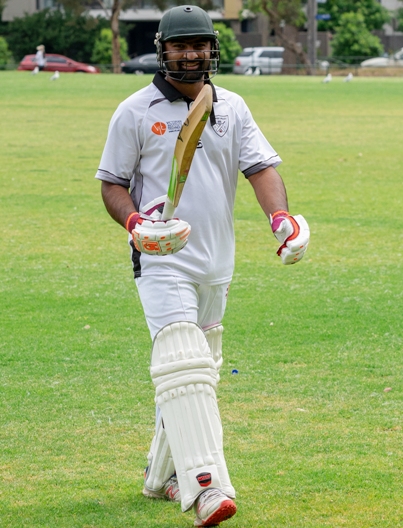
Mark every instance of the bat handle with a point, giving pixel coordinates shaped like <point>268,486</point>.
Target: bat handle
<point>168,210</point>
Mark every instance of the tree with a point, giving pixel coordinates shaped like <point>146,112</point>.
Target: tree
<point>61,32</point>
<point>353,38</point>
<point>279,13</point>
<point>102,52</point>
<point>229,46</point>
<point>112,15</point>
<point>349,40</point>
<point>375,15</point>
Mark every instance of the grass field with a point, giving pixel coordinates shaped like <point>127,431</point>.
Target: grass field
<point>313,421</point>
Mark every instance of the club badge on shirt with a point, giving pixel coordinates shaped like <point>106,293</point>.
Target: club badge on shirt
<point>221,125</point>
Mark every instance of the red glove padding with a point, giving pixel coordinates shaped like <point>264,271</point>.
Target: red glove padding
<point>293,234</point>
<point>131,221</point>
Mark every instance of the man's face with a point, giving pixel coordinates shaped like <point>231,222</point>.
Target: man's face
<point>187,59</point>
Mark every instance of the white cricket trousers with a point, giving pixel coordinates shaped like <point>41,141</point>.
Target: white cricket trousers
<point>167,299</point>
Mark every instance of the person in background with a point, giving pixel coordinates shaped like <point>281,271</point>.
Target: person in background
<point>40,57</point>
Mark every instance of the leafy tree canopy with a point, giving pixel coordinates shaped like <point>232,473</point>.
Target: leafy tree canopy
<point>289,11</point>
<point>353,39</point>
<point>374,14</point>
<point>60,32</point>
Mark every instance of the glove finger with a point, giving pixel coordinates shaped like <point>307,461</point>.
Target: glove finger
<point>284,231</point>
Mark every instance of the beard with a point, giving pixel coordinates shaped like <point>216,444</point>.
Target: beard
<point>178,70</point>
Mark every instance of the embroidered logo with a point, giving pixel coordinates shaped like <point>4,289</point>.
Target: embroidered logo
<point>204,479</point>
<point>159,128</point>
<point>221,125</point>
<point>174,126</point>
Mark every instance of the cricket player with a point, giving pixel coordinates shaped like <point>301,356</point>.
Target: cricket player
<point>183,266</point>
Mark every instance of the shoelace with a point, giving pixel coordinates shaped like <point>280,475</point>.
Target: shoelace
<point>211,493</point>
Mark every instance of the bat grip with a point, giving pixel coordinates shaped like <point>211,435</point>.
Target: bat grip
<point>168,210</point>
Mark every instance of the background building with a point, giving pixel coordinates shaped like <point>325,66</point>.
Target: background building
<point>252,30</point>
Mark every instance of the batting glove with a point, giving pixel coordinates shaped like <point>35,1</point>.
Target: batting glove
<point>157,237</point>
<point>293,234</point>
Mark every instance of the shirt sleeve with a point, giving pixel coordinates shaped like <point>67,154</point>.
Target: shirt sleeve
<point>121,153</point>
<point>256,153</point>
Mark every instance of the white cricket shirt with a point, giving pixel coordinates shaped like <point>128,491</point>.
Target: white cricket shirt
<point>138,155</point>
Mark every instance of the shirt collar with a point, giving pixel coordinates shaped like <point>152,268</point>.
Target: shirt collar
<point>172,94</point>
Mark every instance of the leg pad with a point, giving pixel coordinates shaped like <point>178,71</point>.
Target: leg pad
<point>185,376</point>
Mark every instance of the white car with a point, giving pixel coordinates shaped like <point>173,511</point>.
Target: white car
<point>383,62</point>
<point>262,60</point>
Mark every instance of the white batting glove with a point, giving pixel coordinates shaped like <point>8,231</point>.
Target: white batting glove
<point>293,234</point>
<point>154,236</point>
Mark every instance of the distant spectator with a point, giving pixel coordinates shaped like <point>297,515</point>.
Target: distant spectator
<point>40,57</point>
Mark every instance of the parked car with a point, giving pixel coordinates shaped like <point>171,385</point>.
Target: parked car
<point>383,62</point>
<point>265,60</point>
<point>142,64</point>
<point>57,62</point>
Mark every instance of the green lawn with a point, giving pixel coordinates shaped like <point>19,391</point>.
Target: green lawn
<point>313,421</point>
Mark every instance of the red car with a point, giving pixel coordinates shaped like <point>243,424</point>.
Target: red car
<point>57,62</point>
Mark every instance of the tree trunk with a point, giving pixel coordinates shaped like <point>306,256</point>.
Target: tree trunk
<point>116,60</point>
<point>291,45</point>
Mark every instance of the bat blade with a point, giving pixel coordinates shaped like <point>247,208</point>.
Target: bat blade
<point>185,147</point>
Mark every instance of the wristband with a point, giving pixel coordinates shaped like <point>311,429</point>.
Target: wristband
<point>282,214</point>
<point>131,221</point>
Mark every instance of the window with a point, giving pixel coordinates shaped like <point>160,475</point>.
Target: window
<point>58,60</point>
<point>271,54</point>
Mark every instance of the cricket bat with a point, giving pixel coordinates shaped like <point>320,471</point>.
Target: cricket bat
<point>185,148</point>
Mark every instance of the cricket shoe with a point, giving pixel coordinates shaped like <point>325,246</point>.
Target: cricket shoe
<point>213,507</point>
<point>169,491</point>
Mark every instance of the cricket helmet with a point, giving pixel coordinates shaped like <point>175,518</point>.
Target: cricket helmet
<point>187,21</point>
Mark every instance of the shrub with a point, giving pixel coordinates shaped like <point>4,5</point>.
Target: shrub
<point>5,54</point>
<point>102,51</point>
<point>229,46</point>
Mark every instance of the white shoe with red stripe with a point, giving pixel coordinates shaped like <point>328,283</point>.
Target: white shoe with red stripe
<point>213,507</point>
<point>169,491</point>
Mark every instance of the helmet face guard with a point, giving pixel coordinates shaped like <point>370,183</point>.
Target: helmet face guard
<point>177,68</point>
<point>186,22</point>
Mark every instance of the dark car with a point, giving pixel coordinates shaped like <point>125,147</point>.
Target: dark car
<point>142,64</point>
<point>57,62</point>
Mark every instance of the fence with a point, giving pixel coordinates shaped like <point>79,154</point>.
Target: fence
<point>334,65</point>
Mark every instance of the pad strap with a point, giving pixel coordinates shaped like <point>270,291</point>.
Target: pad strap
<point>214,339</point>
<point>160,463</point>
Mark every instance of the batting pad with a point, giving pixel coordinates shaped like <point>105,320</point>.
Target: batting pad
<point>185,376</point>
<point>160,463</point>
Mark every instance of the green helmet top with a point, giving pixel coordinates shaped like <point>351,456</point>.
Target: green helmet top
<point>185,21</point>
